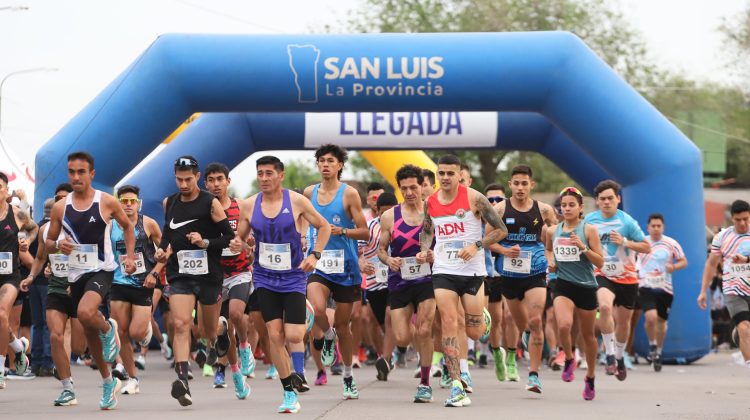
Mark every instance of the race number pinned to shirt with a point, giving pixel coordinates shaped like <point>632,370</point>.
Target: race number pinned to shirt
<point>84,257</point>
<point>738,270</point>
<point>520,264</point>
<point>276,257</point>
<point>447,252</point>
<point>194,262</point>
<point>381,270</point>
<point>140,264</point>
<point>226,252</point>
<point>566,251</point>
<point>612,266</point>
<point>411,270</point>
<point>6,263</point>
<point>331,261</point>
<point>58,264</point>
<point>655,280</point>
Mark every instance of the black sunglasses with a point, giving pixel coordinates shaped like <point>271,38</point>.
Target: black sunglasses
<point>185,162</point>
<point>495,200</point>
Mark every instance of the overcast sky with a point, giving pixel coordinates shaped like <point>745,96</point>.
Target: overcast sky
<point>91,41</point>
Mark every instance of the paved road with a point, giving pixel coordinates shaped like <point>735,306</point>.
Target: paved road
<point>712,388</point>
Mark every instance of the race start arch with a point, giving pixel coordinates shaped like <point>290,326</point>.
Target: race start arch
<point>542,91</point>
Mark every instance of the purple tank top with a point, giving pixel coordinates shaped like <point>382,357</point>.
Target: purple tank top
<point>404,243</point>
<point>276,266</point>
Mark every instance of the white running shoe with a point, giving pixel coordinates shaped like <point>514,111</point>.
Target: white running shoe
<point>131,387</point>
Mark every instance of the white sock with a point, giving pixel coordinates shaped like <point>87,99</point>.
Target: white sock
<point>67,384</point>
<point>619,350</point>
<point>347,371</point>
<point>658,350</point>
<point>2,363</point>
<point>470,343</point>
<point>609,343</point>
<point>330,334</point>
<point>747,363</point>
<point>16,345</point>
<point>464,365</point>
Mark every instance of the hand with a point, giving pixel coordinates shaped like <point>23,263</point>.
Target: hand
<point>250,241</point>
<point>129,264</point>
<point>21,194</point>
<point>367,267</point>
<point>149,282</point>
<point>616,238</point>
<point>336,230</point>
<point>577,241</point>
<point>25,283</point>
<point>23,245</point>
<point>308,264</point>
<point>702,300</point>
<point>160,256</point>
<point>739,259</point>
<point>551,266</point>
<point>669,267</point>
<point>466,253</point>
<point>430,256</point>
<point>422,256</point>
<point>394,263</point>
<point>512,252</point>
<point>195,238</point>
<point>47,271</point>
<point>65,246</point>
<point>235,245</point>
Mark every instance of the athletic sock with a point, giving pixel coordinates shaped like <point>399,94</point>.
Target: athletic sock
<point>67,384</point>
<point>436,356</point>
<point>347,371</point>
<point>245,345</point>
<point>16,345</point>
<point>220,367</point>
<point>619,350</point>
<point>108,379</point>
<point>2,362</point>
<point>658,351</point>
<point>747,363</point>
<point>182,370</point>
<point>286,383</point>
<point>318,344</point>
<point>298,360</point>
<point>330,334</point>
<point>424,375</point>
<point>235,368</point>
<point>609,343</point>
<point>511,355</point>
<point>464,365</point>
<point>401,350</point>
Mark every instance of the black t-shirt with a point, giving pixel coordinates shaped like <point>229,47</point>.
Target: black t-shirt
<point>182,218</point>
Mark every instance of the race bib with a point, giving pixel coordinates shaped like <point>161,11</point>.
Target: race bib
<point>738,270</point>
<point>447,252</point>
<point>58,264</point>
<point>565,251</point>
<point>140,264</point>
<point>6,263</point>
<point>411,270</point>
<point>521,264</point>
<point>331,261</point>
<point>612,267</point>
<point>276,257</point>
<point>194,262</point>
<point>84,257</point>
<point>655,281</point>
<point>381,270</point>
<point>226,252</point>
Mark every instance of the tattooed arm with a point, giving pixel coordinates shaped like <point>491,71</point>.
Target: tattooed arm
<point>496,229</point>
<point>25,223</point>
<point>426,237</point>
<point>548,214</point>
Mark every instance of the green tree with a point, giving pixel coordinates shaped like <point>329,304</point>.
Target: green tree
<point>736,30</point>
<point>597,22</point>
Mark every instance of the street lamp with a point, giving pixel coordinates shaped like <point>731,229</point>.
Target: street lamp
<point>8,76</point>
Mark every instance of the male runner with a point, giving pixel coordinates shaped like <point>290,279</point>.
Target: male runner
<point>197,230</point>
<point>85,216</point>
<point>655,279</point>
<point>237,284</point>
<point>428,183</point>
<point>453,217</point>
<point>731,248</point>
<point>131,295</point>
<point>409,283</point>
<point>374,189</point>
<point>621,239</point>
<point>522,265</point>
<point>279,267</point>
<point>337,272</point>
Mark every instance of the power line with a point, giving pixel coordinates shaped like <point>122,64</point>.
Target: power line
<point>711,130</point>
<point>230,17</point>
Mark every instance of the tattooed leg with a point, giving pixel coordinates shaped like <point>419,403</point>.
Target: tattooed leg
<point>450,353</point>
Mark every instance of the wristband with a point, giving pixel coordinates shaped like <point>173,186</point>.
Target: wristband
<point>624,242</point>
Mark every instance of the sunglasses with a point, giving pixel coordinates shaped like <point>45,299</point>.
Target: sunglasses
<point>495,200</point>
<point>573,190</point>
<point>130,201</point>
<point>184,162</point>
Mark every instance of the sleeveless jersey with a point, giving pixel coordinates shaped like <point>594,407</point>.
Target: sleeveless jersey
<point>234,264</point>
<point>338,247</point>
<point>10,262</point>
<point>57,285</point>
<point>735,277</point>
<point>455,227</point>
<point>278,249</point>
<point>88,227</point>
<point>404,243</point>
<point>524,230</point>
<point>192,216</point>
<point>143,245</point>
<point>580,272</point>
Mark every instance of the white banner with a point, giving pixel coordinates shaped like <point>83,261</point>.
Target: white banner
<point>401,130</point>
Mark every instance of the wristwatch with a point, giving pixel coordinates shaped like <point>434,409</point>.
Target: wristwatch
<point>343,232</point>
<point>478,244</point>
<point>205,243</point>
<point>316,254</point>
<point>155,275</point>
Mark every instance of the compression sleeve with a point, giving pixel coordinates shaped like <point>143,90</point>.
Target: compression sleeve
<point>227,234</point>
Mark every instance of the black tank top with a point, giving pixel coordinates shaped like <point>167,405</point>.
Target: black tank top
<point>523,226</point>
<point>192,216</point>
<point>9,243</point>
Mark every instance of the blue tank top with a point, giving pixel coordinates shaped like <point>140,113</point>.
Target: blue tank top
<point>142,245</point>
<point>88,227</point>
<point>278,249</point>
<point>524,230</point>
<point>404,243</point>
<point>335,213</point>
<point>580,272</point>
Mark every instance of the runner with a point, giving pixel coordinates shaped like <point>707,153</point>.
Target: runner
<point>428,183</point>
<point>337,272</point>
<point>91,262</point>
<point>279,267</point>
<point>59,306</point>
<point>237,287</point>
<point>131,296</point>
<point>655,278</point>
<point>453,217</point>
<point>197,230</point>
<point>621,239</point>
<point>731,249</point>
<point>409,283</point>
<point>522,264</point>
<point>571,248</point>
<point>374,189</point>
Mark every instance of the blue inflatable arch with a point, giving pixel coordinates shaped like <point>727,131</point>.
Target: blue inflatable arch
<point>592,124</point>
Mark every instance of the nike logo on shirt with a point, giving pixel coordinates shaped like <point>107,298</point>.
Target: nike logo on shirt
<point>173,225</point>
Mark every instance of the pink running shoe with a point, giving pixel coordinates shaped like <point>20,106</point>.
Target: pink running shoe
<point>569,371</point>
<point>322,378</point>
<point>588,390</point>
